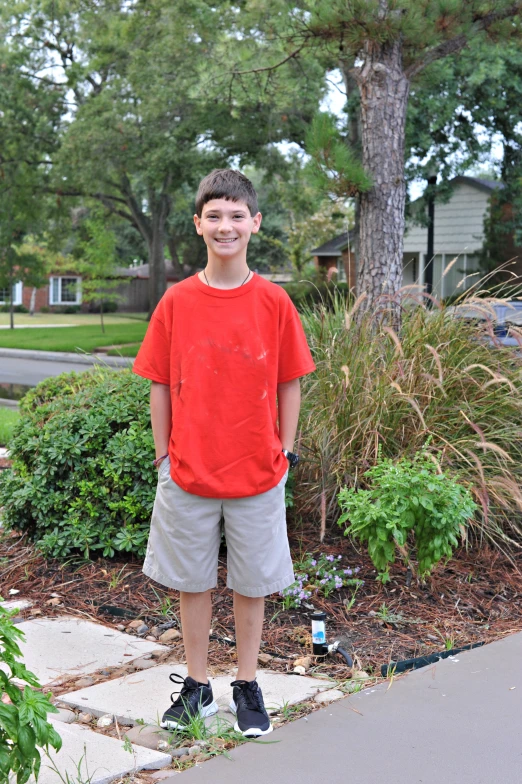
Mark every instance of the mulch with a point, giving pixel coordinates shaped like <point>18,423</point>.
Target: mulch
<point>476,597</point>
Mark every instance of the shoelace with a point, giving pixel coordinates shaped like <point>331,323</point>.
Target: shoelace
<point>250,695</point>
<point>185,688</point>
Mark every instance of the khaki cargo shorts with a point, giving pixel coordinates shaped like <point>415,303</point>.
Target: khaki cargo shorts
<point>185,536</point>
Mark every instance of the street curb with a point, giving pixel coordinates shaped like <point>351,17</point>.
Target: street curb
<point>67,357</point>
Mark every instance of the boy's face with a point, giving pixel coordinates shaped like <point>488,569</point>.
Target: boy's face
<point>226,227</point>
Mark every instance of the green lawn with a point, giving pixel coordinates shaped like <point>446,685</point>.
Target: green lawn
<point>71,319</point>
<point>125,351</point>
<point>81,338</point>
<point>8,419</point>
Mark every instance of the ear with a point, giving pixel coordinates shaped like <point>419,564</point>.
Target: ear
<point>197,224</point>
<point>257,223</point>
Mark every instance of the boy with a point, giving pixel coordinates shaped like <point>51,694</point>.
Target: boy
<point>224,351</point>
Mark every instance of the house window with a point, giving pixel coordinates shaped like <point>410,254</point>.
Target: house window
<point>17,294</point>
<point>65,291</point>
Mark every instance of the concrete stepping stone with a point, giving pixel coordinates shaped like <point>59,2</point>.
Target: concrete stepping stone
<point>145,695</point>
<point>101,758</point>
<point>55,648</point>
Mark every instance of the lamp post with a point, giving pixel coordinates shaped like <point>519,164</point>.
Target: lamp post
<point>428,269</point>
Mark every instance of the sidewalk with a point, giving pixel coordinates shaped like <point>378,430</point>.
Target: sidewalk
<point>68,357</point>
<point>457,722</point>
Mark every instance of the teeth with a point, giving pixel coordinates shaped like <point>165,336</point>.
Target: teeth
<point>232,240</point>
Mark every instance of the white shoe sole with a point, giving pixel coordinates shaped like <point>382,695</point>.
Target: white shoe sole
<point>252,732</point>
<point>172,724</point>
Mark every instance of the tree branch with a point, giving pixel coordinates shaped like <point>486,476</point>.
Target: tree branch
<point>459,42</point>
<point>272,67</point>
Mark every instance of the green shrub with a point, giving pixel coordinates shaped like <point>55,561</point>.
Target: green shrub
<point>82,478</point>
<point>407,496</point>
<point>108,306</point>
<point>440,377</point>
<point>23,720</point>
<point>308,293</point>
<point>44,309</point>
<point>16,309</point>
<point>8,419</point>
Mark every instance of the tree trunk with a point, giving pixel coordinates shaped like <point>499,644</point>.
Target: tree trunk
<point>354,142</point>
<point>33,301</point>
<point>384,97</point>
<point>160,208</point>
<point>174,257</point>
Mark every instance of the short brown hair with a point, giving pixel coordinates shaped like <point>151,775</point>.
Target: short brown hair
<point>227,184</point>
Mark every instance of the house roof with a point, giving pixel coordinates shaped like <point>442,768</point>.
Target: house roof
<point>142,272</point>
<point>333,247</point>
<point>483,185</point>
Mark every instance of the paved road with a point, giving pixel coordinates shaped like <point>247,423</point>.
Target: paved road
<point>455,722</point>
<point>32,371</point>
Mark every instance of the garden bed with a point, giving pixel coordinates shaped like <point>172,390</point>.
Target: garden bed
<point>474,598</point>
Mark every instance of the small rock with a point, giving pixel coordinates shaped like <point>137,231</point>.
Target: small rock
<point>157,654</point>
<point>193,749</point>
<point>299,670</point>
<point>148,736</point>
<point>304,661</point>
<point>135,624</point>
<point>432,637</point>
<point>85,718</point>
<point>170,635</point>
<point>150,637</point>
<point>36,611</point>
<point>14,591</point>
<point>183,752</point>
<point>372,614</point>
<point>105,673</point>
<point>360,675</point>
<point>324,697</point>
<point>105,721</point>
<point>159,775</point>
<point>120,627</point>
<point>163,745</point>
<point>143,629</point>
<point>143,664</point>
<point>55,596</point>
<point>264,658</point>
<point>82,683</point>
<point>64,715</point>
<point>155,631</point>
<point>201,743</point>
<point>54,602</point>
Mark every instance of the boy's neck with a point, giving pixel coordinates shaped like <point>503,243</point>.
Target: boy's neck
<point>225,274</point>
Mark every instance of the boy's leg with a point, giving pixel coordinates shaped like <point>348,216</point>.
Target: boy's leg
<point>249,615</point>
<point>196,617</point>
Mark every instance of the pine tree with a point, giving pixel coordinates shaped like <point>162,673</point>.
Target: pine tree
<point>383,45</point>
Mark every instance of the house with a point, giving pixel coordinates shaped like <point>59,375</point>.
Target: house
<point>458,234</point>
<point>64,290</point>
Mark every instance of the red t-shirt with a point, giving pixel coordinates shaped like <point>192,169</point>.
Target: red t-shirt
<point>223,352</point>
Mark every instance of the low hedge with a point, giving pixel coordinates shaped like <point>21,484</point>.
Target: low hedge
<point>82,478</point>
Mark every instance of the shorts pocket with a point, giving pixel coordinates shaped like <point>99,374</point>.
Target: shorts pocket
<point>162,469</point>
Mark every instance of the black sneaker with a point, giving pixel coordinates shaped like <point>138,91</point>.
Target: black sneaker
<point>247,703</point>
<point>193,699</point>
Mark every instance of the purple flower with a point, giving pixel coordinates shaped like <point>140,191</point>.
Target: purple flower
<point>313,563</point>
<point>339,557</point>
<point>357,569</point>
<point>348,571</point>
<point>329,557</point>
<point>323,582</point>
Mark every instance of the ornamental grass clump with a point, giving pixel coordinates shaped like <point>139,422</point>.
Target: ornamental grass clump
<point>441,378</point>
<point>81,479</point>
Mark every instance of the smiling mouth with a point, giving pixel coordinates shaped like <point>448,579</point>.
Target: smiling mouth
<point>226,242</point>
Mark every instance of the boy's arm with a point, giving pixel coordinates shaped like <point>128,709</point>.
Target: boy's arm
<point>288,404</point>
<point>160,416</point>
